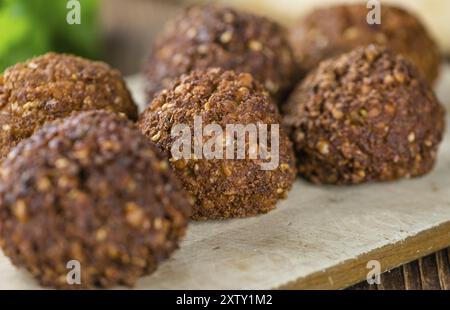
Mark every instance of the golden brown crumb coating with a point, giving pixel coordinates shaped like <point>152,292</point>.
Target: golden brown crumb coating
<point>53,86</point>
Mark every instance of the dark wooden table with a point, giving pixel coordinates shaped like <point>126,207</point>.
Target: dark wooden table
<point>428,273</point>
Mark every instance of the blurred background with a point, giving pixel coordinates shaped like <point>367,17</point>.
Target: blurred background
<point>121,32</point>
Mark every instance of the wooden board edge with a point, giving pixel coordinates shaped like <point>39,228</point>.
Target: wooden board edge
<point>390,256</point>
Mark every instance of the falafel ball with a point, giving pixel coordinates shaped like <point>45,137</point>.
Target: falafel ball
<point>52,86</point>
<point>210,35</point>
<point>223,187</point>
<point>364,116</point>
<point>331,31</point>
<point>90,188</point>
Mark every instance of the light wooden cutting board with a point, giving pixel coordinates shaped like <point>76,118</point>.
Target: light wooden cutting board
<point>320,237</point>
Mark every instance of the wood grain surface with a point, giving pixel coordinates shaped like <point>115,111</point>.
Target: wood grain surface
<point>389,257</point>
<point>431,272</point>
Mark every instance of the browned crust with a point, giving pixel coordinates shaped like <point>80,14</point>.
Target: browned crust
<point>330,31</point>
<point>53,86</point>
<point>89,188</point>
<point>364,116</point>
<point>210,35</point>
<point>221,188</point>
